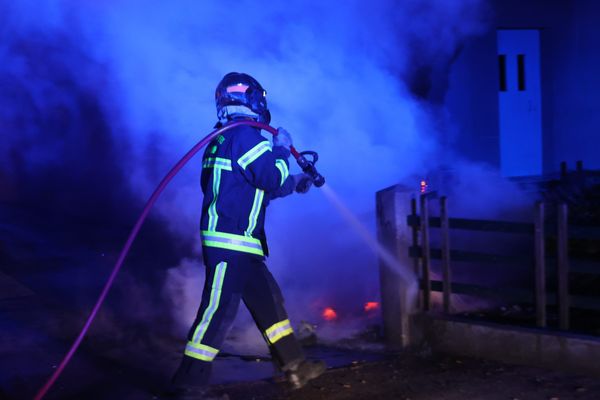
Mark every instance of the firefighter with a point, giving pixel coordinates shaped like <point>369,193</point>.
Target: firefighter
<point>241,173</point>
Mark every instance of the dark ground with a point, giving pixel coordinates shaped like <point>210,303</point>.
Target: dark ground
<point>414,377</point>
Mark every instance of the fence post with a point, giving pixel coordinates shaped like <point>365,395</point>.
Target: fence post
<point>415,244</point>
<point>445,231</point>
<point>425,253</point>
<point>398,296</point>
<point>563,267</point>
<point>540,266</point>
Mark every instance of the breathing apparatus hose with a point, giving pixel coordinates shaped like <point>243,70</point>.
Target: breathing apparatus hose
<point>306,165</point>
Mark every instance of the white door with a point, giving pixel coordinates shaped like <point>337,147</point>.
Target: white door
<point>520,102</point>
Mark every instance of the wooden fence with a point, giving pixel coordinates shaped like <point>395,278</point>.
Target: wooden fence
<point>422,254</point>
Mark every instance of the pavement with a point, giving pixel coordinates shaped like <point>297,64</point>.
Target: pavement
<point>418,376</point>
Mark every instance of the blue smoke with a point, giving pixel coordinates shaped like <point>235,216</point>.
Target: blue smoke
<point>99,99</point>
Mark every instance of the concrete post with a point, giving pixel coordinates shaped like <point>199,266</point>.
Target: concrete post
<point>398,295</point>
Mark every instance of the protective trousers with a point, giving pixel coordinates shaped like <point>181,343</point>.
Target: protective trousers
<point>231,276</point>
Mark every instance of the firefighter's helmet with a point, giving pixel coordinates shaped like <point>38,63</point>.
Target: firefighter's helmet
<point>240,95</point>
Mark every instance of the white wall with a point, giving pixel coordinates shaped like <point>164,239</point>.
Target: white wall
<point>570,34</point>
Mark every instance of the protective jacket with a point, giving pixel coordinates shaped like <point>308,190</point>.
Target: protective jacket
<point>241,173</point>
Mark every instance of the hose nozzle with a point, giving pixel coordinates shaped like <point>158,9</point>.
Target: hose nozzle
<point>308,166</point>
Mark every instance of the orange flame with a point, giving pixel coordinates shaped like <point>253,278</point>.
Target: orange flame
<point>329,314</point>
<point>371,306</point>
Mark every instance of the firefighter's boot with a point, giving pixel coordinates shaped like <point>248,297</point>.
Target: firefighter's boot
<point>306,370</point>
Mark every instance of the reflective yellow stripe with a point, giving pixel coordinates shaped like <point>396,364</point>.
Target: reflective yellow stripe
<point>255,211</point>
<point>254,153</point>
<point>278,331</point>
<point>217,162</point>
<point>213,217</point>
<point>213,304</point>
<point>283,169</point>
<point>231,241</point>
<point>200,351</point>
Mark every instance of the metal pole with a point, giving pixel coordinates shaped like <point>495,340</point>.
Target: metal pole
<point>426,281</point>
<point>540,267</point>
<point>563,170</point>
<point>415,234</point>
<point>445,253</point>
<point>415,245</point>
<point>563,267</point>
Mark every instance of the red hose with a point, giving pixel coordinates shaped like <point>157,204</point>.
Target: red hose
<point>132,235</point>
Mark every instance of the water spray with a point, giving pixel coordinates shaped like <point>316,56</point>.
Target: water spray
<point>307,165</point>
<point>385,255</point>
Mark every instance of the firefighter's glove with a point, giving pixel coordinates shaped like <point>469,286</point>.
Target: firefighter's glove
<point>283,139</point>
<point>302,183</point>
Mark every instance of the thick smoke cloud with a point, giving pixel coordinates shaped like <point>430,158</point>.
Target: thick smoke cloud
<point>103,97</point>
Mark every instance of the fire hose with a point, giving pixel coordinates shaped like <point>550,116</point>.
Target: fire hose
<point>307,166</point>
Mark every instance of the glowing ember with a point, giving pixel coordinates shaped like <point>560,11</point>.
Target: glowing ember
<point>329,314</point>
<point>371,306</point>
